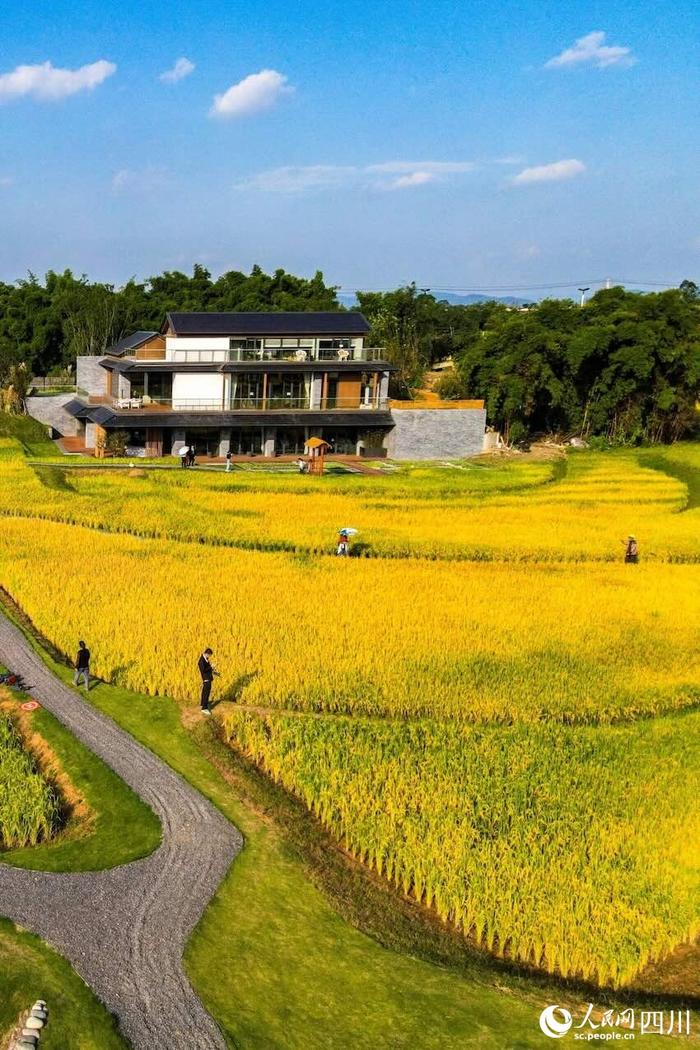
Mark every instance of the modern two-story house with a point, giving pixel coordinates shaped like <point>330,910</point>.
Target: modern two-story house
<point>246,382</point>
<point>260,384</point>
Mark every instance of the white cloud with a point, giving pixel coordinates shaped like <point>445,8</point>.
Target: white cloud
<point>415,178</point>
<point>182,68</point>
<point>296,179</point>
<point>435,167</point>
<point>252,94</point>
<point>46,82</point>
<point>142,180</point>
<point>301,178</point>
<point>592,49</point>
<point>561,169</point>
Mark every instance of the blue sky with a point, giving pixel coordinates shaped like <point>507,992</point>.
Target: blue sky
<point>460,144</point>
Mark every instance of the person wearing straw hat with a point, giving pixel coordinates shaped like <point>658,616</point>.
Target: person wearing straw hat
<point>631,551</point>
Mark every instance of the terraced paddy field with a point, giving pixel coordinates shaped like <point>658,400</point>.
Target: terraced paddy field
<point>486,707</point>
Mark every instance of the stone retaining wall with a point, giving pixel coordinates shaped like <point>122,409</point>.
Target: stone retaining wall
<point>436,433</point>
<point>51,411</point>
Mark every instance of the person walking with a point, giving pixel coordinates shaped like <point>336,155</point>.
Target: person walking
<point>184,455</point>
<point>228,461</point>
<point>207,671</point>
<point>631,551</point>
<point>192,458</point>
<point>82,666</point>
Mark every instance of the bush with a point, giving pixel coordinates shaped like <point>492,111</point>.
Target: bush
<point>451,386</point>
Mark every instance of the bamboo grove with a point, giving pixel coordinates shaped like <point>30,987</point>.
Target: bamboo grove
<point>473,706</point>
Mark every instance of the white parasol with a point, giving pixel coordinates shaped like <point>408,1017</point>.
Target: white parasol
<point>184,450</point>
<point>349,532</point>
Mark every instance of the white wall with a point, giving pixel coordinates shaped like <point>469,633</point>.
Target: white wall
<point>207,342</point>
<point>191,387</point>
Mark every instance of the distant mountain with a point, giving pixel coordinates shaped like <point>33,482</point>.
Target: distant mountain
<point>349,299</point>
<point>471,300</point>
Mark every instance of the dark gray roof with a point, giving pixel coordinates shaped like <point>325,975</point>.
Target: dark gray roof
<point>328,322</point>
<point>344,367</point>
<point>77,408</point>
<point>376,419</point>
<point>129,342</point>
<point>116,364</point>
<point>91,413</point>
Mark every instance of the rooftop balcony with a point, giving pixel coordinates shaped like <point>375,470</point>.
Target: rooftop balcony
<point>146,405</point>
<point>200,357</point>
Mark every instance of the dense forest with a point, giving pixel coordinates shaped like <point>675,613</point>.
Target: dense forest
<point>625,366</point>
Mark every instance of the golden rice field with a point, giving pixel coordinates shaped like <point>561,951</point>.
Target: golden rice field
<point>517,511</point>
<point>511,739</point>
<point>568,848</point>
<point>449,640</point>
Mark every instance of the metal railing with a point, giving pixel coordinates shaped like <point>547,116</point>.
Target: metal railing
<point>244,404</point>
<point>284,353</point>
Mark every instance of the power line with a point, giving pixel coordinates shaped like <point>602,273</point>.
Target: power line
<point>524,287</point>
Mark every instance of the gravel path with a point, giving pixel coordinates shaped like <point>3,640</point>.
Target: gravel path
<point>124,930</point>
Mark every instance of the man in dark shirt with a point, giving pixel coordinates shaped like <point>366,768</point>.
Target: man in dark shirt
<point>207,671</point>
<point>82,666</point>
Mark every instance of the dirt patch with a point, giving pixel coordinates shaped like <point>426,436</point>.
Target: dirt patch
<point>676,975</point>
<point>538,450</point>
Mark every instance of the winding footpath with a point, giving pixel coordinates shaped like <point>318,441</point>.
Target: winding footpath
<point>124,930</point>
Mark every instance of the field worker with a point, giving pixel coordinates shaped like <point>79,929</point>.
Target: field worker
<point>343,544</point>
<point>631,551</point>
<point>183,454</point>
<point>207,671</point>
<point>228,461</point>
<point>82,666</point>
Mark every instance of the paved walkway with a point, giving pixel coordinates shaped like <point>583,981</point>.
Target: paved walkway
<point>124,930</point>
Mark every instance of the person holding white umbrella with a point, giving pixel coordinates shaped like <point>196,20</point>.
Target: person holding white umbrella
<point>344,535</point>
<point>184,453</point>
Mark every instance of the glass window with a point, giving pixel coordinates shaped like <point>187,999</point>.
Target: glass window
<point>246,442</point>
<point>244,344</point>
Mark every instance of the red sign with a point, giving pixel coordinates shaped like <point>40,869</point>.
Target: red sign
<point>31,705</point>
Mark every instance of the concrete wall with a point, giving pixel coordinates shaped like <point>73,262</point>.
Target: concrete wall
<point>50,410</point>
<point>436,433</point>
<point>90,376</point>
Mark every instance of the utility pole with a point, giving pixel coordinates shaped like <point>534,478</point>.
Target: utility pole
<point>583,293</point>
<point>607,282</point>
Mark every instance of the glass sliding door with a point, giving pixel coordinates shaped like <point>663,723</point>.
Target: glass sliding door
<point>247,390</point>
<point>247,441</point>
<point>288,390</point>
